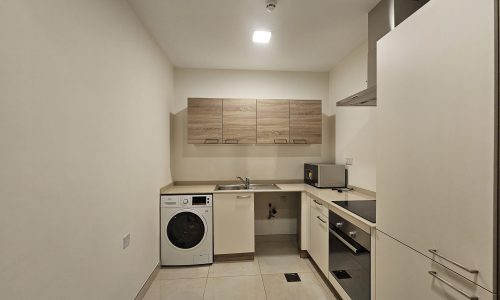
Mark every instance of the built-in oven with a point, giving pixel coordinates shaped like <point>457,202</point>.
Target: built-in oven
<point>349,257</point>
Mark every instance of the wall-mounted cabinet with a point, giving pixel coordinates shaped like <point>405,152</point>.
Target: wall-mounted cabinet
<point>305,122</point>
<point>250,121</point>
<point>273,121</point>
<point>239,121</point>
<point>204,121</point>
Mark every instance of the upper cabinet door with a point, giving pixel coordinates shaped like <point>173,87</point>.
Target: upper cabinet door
<point>436,136</point>
<point>305,121</point>
<point>273,121</point>
<point>204,121</point>
<point>239,121</point>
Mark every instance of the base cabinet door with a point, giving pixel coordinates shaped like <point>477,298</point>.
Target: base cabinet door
<point>403,273</point>
<point>234,230</point>
<point>318,239</point>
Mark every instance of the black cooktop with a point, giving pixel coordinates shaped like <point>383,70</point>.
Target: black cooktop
<point>363,208</point>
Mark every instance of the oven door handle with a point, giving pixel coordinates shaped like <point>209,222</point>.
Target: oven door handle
<point>346,243</point>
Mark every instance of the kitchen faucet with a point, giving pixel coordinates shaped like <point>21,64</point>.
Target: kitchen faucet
<point>245,181</point>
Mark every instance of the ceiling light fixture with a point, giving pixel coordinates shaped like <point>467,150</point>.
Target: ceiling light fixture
<point>261,37</point>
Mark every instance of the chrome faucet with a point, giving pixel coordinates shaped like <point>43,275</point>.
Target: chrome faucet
<point>245,181</point>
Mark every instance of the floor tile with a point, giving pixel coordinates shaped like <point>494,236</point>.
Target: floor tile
<point>236,268</point>
<point>310,265</point>
<point>184,272</point>
<point>231,288</point>
<point>154,291</point>
<point>326,289</point>
<point>182,289</point>
<point>277,288</point>
<point>283,264</point>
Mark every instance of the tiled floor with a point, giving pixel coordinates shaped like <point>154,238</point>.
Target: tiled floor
<point>259,279</point>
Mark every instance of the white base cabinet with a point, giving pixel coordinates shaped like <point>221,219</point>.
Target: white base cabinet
<point>234,230</point>
<point>403,273</point>
<point>318,236</point>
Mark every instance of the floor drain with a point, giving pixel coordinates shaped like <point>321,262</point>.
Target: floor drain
<point>292,277</point>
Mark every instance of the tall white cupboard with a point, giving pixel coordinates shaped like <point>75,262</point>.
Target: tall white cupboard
<point>437,161</point>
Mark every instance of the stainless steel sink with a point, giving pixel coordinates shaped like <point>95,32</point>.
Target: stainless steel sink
<point>238,187</point>
<point>229,187</point>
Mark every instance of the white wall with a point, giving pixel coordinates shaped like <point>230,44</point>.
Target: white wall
<point>225,162</point>
<point>84,149</point>
<point>355,130</point>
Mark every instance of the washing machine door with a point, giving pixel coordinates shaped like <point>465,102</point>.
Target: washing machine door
<point>186,229</point>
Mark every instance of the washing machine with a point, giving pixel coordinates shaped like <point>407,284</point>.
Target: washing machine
<point>186,230</point>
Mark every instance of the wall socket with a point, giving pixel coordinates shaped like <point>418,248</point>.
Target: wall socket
<point>349,161</point>
<point>126,241</point>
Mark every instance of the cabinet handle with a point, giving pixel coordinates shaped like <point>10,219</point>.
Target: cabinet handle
<point>299,141</point>
<point>211,141</point>
<point>435,275</point>
<point>280,141</point>
<point>317,202</point>
<point>231,141</point>
<point>321,219</point>
<point>243,197</point>
<point>435,252</point>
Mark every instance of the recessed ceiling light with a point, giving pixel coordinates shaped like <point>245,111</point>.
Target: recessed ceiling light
<point>261,37</point>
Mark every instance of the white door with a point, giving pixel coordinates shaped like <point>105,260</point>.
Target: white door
<point>403,273</point>
<point>436,135</point>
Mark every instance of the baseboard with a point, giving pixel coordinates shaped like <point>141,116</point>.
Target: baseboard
<point>234,257</point>
<point>148,283</point>
<point>323,277</point>
<point>304,254</point>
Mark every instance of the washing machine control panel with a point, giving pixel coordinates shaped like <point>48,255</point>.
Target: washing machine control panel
<point>185,200</point>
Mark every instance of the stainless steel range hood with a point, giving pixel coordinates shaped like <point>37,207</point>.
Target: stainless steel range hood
<point>381,19</point>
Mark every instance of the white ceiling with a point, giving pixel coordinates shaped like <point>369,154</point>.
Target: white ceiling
<point>307,35</point>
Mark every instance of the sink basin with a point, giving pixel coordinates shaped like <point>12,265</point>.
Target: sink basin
<point>229,187</point>
<point>238,187</point>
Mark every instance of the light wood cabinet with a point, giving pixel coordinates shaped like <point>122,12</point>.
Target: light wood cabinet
<point>403,273</point>
<point>318,238</point>
<point>305,122</point>
<point>239,121</point>
<point>250,121</point>
<point>234,231</point>
<point>204,121</point>
<point>273,121</point>
<point>436,185</point>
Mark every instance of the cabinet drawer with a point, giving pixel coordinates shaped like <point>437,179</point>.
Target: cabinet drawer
<point>234,223</point>
<point>319,207</point>
<point>403,273</point>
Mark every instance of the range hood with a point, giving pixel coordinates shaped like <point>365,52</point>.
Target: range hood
<point>384,17</point>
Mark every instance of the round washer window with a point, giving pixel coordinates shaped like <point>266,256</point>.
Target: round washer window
<point>185,230</point>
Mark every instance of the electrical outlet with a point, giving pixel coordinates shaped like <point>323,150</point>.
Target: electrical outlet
<point>349,161</point>
<point>126,241</point>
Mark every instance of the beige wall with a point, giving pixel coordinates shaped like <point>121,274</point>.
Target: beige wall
<point>355,127</point>
<point>84,149</point>
<point>286,218</point>
<point>225,162</point>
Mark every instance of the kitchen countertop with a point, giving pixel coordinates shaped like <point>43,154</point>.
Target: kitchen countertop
<point>326,196</point>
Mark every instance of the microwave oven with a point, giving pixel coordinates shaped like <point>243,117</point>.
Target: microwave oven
<point>325,175</point>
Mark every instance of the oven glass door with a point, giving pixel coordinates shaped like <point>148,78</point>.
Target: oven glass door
<point>349,263</point>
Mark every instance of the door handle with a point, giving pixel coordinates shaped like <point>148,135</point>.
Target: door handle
<point>317,202</point>
<point>435,252</point>
<point>321,219</point>
<point>231,141</point>
<point>299,141</point>
<point>280,141</point>
<point>243,197</point>
<point>435,275</point>
<point>343,241</point>
<point>211,141</point>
